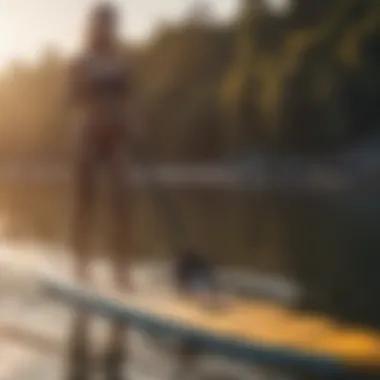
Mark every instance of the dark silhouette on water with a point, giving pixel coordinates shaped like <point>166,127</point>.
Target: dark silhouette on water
<point>194,273</point>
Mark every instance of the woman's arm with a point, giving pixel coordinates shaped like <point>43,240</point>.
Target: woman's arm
<point>73,98</point>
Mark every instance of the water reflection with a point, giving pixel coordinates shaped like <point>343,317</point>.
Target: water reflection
<point>30,337</point>
<point>330,244</point>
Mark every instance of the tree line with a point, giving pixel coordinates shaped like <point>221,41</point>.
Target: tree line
<point>305,81</point>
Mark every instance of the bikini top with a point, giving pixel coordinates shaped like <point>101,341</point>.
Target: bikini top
<point>105,77</point>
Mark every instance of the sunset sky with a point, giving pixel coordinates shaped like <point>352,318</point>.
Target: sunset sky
<point>28,25</point>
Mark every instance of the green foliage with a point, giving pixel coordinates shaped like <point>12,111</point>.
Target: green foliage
<point>300,72</point>
<point>283,82</point>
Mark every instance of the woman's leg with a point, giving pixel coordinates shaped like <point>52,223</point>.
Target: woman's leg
<point>83,212</point>
<point>120,256</point>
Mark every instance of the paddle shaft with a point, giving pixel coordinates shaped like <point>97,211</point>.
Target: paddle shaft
<point>180,237</point>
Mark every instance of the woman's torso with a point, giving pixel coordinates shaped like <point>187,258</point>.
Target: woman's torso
<point>105,90</point>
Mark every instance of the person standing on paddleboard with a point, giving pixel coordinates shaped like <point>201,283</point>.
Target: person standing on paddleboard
<point>101,93</point>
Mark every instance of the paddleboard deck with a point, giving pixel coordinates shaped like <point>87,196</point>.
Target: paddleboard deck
<point>248,330</point>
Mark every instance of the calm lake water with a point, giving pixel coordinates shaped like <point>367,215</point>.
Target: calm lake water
<point>328,244</point>
<point>34,330</point>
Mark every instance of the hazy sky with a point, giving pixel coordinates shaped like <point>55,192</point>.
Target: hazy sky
<point>28,25</point>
